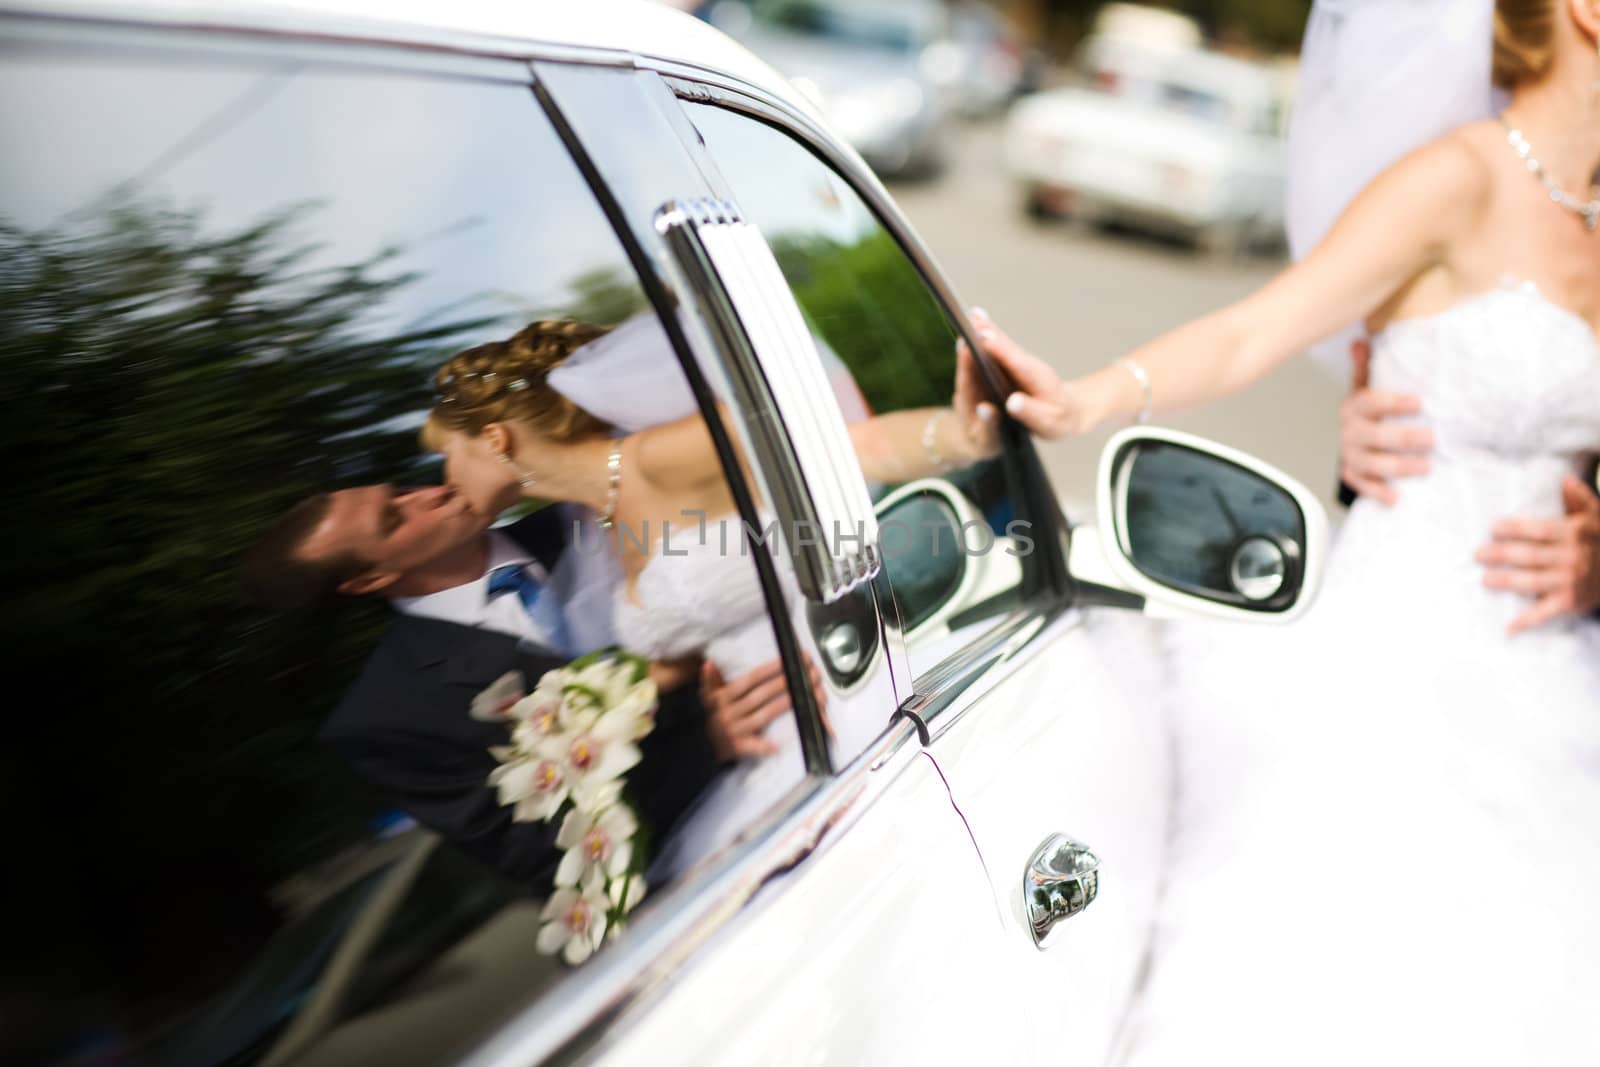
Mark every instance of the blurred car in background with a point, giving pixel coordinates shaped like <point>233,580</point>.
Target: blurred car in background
<point>1177,140</point>
<point>884,73</point>
<point>1155,26</point>
<point>996,64</point>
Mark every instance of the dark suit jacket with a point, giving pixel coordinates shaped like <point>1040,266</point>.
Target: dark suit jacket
<point>405,728</point>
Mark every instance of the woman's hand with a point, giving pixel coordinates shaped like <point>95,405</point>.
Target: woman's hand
<point>977,420</point>
<point>1043,402</point>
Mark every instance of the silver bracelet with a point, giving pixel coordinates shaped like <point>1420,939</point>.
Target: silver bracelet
<point>1143,378</point>
<point>928,433</point>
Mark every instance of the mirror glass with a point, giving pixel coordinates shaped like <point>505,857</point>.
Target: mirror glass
<point>1209,527</point>
<point>924,558</point>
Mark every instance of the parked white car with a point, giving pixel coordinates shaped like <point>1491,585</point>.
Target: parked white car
<point>238,244</point>
<point>1178,140</point>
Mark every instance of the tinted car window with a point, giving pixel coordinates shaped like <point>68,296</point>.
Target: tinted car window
<point>233,293</point>
<point>890,346</point>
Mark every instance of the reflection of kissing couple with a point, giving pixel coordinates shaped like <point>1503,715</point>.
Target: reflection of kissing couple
<point>603,423</point>
<point>472,603</point>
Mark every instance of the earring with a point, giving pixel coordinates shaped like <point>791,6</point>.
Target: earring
<point>525,478</point>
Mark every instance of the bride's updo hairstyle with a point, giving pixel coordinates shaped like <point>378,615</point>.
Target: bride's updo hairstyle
<point>505,381</point>
<point>1524,40</point>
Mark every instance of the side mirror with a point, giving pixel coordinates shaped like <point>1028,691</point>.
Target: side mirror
<point>1199,526</point>
<point>947,567</point>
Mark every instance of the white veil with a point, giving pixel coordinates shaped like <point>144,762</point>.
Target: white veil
<point>630,377</point>
<point>1378,79</point>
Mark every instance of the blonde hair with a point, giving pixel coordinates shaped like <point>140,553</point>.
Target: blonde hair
<point>1524,40</point>
<point>504,381</point>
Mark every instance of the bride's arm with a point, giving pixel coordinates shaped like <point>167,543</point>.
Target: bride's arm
<point>1410,219</point>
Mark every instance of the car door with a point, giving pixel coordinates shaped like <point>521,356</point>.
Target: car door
<point>1041,721</point>
<point>1036,721</point>
<point>832,926</point>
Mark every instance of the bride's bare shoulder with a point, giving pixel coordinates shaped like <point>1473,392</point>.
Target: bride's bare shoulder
<point>1462,160</point>
<point>1453,174</point>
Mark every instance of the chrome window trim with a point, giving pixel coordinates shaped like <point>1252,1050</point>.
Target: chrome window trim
<point>690,338</point>
<point>944,692</point>
<point>730,272</point>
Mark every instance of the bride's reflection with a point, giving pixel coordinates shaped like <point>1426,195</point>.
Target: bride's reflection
<point>564,411</point>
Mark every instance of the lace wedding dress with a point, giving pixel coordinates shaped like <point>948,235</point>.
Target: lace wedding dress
<point>708,602</point>
<point>1388,831</point>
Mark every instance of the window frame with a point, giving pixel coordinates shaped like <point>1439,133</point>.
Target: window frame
<point>942,694</point>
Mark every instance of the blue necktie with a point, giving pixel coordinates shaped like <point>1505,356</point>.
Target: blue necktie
<point>541,611</point>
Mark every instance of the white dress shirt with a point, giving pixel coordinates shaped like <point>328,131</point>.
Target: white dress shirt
<point>581,589</point>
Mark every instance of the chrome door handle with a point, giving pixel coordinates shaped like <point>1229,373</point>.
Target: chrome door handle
<point>1062,879</point>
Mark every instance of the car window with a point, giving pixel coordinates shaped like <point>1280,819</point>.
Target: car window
<point>254,309</point>
<point>953,544</point>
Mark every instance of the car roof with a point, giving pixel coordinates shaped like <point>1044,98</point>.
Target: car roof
<point>639,28</point>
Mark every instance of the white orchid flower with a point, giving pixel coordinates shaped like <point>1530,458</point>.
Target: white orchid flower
<point>596,844</point>
<point>637,706</point>
<point>539,712</point>
<point>601,753</point>
<point>595,795</point>
<point>625,894</point>
<point>620,676</point>
<point>495,703</point>
<point>574,921</point>
<point>538,787</point>
<point>581,706</point>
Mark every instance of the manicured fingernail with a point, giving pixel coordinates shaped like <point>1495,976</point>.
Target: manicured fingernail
<point>986,333</point>
<point>987,413</point>
<point>1014,403</point>
<point>980,312</point>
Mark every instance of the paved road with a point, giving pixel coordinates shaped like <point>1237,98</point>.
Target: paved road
<point>1081,298</point>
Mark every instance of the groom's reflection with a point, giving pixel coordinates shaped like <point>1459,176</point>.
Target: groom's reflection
<point>405,725</point>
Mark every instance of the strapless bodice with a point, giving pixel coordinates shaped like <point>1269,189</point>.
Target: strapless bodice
<point>1506,374</point>
<point>1510,387</point>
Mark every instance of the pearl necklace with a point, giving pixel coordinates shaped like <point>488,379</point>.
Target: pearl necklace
<point>1589,212</point>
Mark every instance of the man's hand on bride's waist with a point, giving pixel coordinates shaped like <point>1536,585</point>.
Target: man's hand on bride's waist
<point>1374,450</point>
<point>1554,561</point>
<point>738,712</point>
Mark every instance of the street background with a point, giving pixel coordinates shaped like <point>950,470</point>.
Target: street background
<point>1025,108</point>
<point>1080,297</point>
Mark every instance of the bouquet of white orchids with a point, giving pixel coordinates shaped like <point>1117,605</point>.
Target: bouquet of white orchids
<point>573,740</point>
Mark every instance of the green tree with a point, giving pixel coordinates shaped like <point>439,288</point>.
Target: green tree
<point>169,393</point>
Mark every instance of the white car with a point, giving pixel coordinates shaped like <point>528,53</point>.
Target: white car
<point>238,244</point>
<point>1178,140</point>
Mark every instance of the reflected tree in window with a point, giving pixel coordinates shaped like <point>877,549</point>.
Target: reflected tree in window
<point>170,391</point>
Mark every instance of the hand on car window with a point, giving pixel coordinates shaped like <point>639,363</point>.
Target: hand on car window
<point>1043,403</point>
